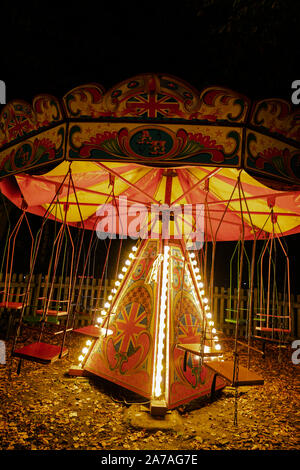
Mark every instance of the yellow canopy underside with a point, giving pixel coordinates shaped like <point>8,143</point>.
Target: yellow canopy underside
<point>148,185</point>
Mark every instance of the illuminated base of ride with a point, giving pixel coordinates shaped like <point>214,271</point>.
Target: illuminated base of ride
<point>156,337</point>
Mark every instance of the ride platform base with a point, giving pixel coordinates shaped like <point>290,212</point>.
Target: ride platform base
<point>77,371</point>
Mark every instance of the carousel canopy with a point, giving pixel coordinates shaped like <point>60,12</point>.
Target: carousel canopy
<point>152,140</point>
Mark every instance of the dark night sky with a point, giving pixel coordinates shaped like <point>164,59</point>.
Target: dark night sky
<point>250,46</point>
<point>51,47</point>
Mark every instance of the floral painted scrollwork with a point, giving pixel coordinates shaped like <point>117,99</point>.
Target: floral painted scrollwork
<point>271,160</point>
<point>156,145</point>
<point>33,152</point>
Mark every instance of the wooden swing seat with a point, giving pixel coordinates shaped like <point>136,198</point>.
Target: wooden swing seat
<point>272,316</point>
<point>280,330</point>
<point>43,353</point>
<point>194,348</point>
<point>232,320</point>
<point>12,305</point>
<point>266,339</point>
<point>52,313</point>
<point>89,330</point>
<point>225,368</point>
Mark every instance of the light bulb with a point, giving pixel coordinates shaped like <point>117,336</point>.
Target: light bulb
<point>106,331</point>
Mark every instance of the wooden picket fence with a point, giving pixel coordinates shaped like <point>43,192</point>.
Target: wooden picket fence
<point>88,299</point>
<point>223,305</point>
<point>224,308</point>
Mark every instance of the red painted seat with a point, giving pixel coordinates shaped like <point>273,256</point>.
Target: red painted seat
<point>89,330</point>
<point>195,348</point>
<point>263,328</point>
<point>52,313</point>
<point>43,353</point>
<point>12,305</point>
<point>225,370</point>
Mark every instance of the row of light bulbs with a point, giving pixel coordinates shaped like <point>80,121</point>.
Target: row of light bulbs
<point>204,299</point>
<point>158,377</point>
<point>107,305</point>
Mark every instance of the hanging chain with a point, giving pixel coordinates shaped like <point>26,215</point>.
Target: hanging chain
<point>236,375</point>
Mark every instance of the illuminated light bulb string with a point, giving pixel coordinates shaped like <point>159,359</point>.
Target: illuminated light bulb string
<point>158,374</point>
<point>105,311</point>
<point>204,300</point>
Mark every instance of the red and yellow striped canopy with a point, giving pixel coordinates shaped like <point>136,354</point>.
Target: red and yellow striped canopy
<point>153,140</point>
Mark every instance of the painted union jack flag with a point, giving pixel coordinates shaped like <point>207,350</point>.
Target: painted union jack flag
<point>18,126</point>
<point>130,323</point>
<point>152,106</point>
<point>189,326</point>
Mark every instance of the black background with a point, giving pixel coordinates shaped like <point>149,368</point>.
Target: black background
<point>251,46</point>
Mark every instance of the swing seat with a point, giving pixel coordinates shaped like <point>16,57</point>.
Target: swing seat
<point>272,316</point>
<point>194,348</point>
<point>12,305</point>
<point>89,330</point>
<point>277,330</point>
<point>225,370</point>
<point>266,339</point>
<point>232,320</point>
<point>52,313</point>
<point>43,353</point>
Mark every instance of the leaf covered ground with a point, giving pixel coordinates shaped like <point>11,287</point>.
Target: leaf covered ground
<point>45,409</point>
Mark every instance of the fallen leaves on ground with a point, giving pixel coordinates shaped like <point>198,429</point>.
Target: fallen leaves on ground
<point>45,409</point>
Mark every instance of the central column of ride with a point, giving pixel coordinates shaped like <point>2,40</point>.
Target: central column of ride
<point>160,386</point>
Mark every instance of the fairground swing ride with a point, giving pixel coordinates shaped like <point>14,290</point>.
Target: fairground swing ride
<point>153,144</point>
